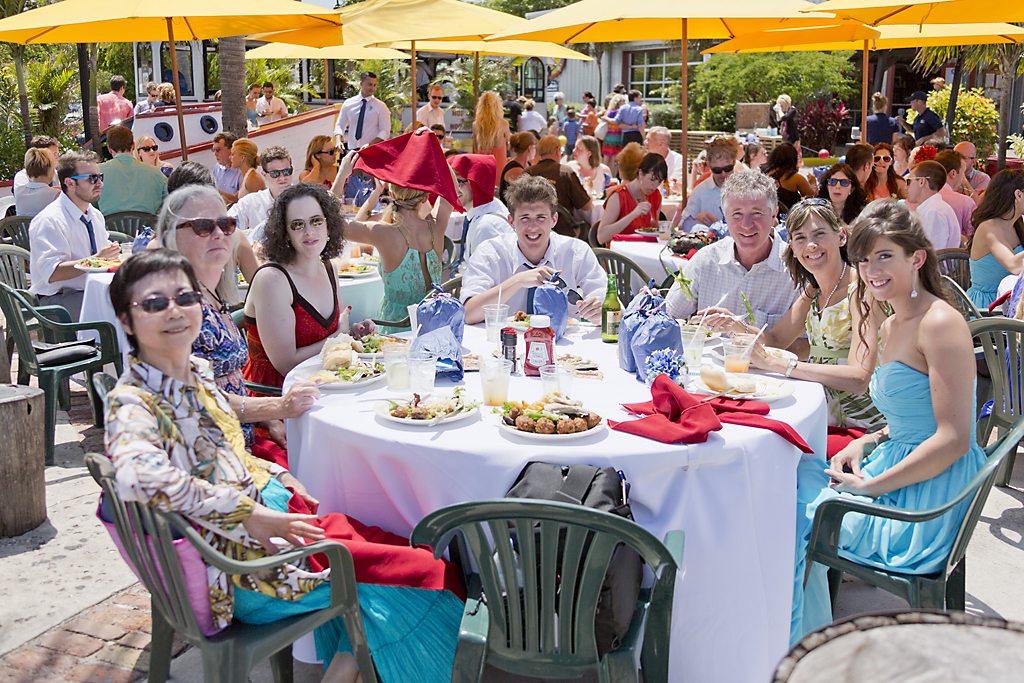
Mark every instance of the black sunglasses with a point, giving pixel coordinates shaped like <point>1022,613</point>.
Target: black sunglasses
<point>149,148</point>
<point>571,294</point>
<point>842,182</point>
<point>204,226</point>
<point>282,172</point>
<point>723,169</point>
<point>331,152</point>
<point>94,178</point>
<point>160,303</point>
<point>436,97</point>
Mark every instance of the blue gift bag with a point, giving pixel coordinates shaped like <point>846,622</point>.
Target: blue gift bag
<point>551,300</point>
<point>441,309</point>
<point>657,331</point>
<point>442,343</point>
<point>636,312</point>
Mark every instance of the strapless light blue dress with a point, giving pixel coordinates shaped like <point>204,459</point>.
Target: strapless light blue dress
<point>904,397</point>
<point>986,274</point>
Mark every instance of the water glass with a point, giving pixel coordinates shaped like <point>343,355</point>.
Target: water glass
<point>413,322</point>
<point>664,230</point>
<point>494,374</point>
<point>693,338</point>
<point>737,350</point>
<point>494,318</point>
<point>396,365</point>
<point>422,370</point>
<point>556,378</point>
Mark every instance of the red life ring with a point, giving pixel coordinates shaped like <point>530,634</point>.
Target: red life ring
<point>557,70</point>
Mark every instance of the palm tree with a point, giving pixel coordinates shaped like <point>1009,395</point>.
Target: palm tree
<point>1008,59</point>
<point>232,85</point>
<point>9,8</point>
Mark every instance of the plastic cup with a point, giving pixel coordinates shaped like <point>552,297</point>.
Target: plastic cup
<point>556,378</point>
<point>737,352</point>
<point>494,374</point>
<point>413,323</point>
<point>664,230</point>
<point>693,338</point>
<point>494,319</point>
<point>396,366</point>
<point>422,370</point>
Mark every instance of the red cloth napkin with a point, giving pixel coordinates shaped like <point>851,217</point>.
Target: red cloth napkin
<point>676,416</point>
<point>635,238</point>
<point>414,160</point>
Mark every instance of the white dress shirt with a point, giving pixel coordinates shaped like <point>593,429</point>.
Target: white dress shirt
<point>427,115</point>
<point>252,211</point>
<point>57,235</point>
<point>485,222</point>
<point>376,121</point>
<point>21,178</point>
<point>939,222</point>
<point>532,120</point>
<point>715,273</point>
<point>706,197</point>
<point>31,198</point>
<point>227,179</point>
<point>498,259</point>
<point>674,161</point>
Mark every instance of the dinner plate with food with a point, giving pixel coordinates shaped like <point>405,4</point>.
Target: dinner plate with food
<point>371,347</point>
<point>770,350</point>
<point>356,270</point>
<point>370,259</point>
<point>352,376</point>
<point>715,380</point>
<point>554,418</point>
<point>434,409</point>
<point>95,264</point>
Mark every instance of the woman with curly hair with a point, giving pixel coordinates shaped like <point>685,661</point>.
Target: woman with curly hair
<point>293,303</point>
<point>321,162</point>
<point>490,129</point>
<point>840,186</point>
<point>884,182</point>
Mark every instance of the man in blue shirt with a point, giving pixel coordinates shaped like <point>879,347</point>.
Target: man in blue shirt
<point>631,119</point>
<point>570,129</point>
<point>928,128</point>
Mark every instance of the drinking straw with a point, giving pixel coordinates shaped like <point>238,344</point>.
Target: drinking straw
<point>700,323</point>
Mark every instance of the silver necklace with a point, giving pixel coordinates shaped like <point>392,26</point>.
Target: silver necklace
<point>827,299</point>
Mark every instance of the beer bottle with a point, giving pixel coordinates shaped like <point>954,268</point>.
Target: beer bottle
<point>611,313</point>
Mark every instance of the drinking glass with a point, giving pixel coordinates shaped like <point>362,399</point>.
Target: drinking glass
<point>693,338</point>
<point>422,370</point>
<point>494,374</point>
<point>664,230</point>
<point>556,378</point>
<point>396,365</point>
<point>737,352</point>
<point>494,318</point>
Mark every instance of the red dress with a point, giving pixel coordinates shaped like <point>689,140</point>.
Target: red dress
<point>627,204</point>
<point>310,327</point>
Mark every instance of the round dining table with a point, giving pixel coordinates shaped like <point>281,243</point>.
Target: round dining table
<point>733,495</point>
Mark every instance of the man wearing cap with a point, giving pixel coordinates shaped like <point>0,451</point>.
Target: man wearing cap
<point>486,216</point>
<point>928,128</point>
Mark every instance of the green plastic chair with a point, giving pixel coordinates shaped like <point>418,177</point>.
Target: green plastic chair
<point>944,589</point>
<point>1001,340</point>
<point>14,230</point>
<point>961,301</point>
<point>102,384</point>
<point>130,222</point>
<point>956,264</point>
<point>229,655</point>
<point>53,363</point>
<point>14,266</point>
<point>453,286</point>
<point>549,631</point>
<point>238,315</point>
<point>119,237</point>
<point>623,267</point>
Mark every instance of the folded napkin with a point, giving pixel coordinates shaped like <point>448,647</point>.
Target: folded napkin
<point>635,238</point>
<point>676,416</point>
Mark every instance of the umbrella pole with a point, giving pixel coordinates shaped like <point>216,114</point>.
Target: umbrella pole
<point>476,78</point>
<point>177,88</point>
<point>864,97</point>
<point>327,86</point>
<point>683,121</point>
<point>413,101</point>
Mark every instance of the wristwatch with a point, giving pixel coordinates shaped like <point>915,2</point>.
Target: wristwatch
<point>791,366</point>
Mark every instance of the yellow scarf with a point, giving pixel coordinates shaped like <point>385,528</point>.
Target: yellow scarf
<point>232,429</point>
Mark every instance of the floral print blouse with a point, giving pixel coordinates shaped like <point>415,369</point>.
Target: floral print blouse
<point>221,342</point>
<point>170,454</point>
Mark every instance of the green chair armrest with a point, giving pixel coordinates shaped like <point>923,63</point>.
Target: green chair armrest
<point>674,541</point>
<point>471,649</point>
<point>56,314</point>
<point>264,389</point>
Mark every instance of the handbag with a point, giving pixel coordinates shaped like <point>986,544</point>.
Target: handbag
<point>601,130</point>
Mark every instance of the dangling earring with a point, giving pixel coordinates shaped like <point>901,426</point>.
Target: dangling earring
<point>913,290</point>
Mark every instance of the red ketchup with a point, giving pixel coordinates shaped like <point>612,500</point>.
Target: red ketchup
<point>540,345</point>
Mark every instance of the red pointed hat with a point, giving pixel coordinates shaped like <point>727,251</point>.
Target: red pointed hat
<point>414,160</point>
<point>480,171</point>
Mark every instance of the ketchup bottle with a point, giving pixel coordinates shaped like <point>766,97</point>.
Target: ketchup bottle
<point>540,345</point>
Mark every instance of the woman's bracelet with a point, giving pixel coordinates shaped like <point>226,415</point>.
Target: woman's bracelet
<point>242,411</point>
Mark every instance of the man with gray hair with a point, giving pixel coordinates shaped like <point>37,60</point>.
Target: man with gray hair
<point>746,263</point>
<point>657,142</point>
<point>704,207</point>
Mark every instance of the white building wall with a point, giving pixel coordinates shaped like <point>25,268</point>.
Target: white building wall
<point>580,76</point>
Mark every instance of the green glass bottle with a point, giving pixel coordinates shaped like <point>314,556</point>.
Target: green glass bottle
<point>611,313</point>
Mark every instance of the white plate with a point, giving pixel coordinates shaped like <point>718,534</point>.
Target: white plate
<point>348,275</point>
<point>339,385</point>
<point>383,410</point>
<point>776,389</point>
<point>552,438</point>
<point>91,269</point>
<point>369,260</point>
<point>772,351</point>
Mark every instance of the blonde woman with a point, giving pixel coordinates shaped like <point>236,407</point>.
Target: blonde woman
<point>490,129</point>
<point>147,151</point>
<point>167,96</point>
<point>321,162</point>
<point>244,157</point>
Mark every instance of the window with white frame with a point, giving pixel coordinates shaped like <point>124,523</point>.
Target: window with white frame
<point>649,71</point>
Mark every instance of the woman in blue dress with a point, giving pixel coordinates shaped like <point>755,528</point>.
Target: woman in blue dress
<point>925,387</point>
<point>996,245</point>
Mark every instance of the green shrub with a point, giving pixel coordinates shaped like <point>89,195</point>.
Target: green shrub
<point>666,115</point>
<point>720,116</point>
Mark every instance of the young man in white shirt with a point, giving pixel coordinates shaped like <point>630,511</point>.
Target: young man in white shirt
<point>431,113</point>
<point>704,207</point>
<point>520,261</point>
<point>252,210</point>
<point>363,120</point>
<point>67,231</point>
<point>937,217</point>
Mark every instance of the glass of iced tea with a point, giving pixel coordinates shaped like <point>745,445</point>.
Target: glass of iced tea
<point>737,352</point>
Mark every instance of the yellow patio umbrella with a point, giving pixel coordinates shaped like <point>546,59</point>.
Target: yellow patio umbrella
<point>616,20</point>
<point>886,37</point>
<point>101,21</point>
<point>882,12</point>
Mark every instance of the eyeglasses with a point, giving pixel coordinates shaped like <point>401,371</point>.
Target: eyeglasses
<point>149,148</point>
<point>282,172</point>
<point>329,152</point>
<point>841,182</point>
<point>436,97</point>
<point>314,222</point>
<point>160,303</point>
<point>203,227</point>
<point>94,178</point>
<point>883,158</point>
<point>462,181</point>
<point>722,169</point>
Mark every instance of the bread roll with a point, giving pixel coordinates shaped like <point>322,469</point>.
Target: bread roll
<point>337,358</point>
<point>714,378</point>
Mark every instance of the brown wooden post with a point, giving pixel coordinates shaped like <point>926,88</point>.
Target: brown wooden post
<point>177,88</point>
<point>413,101</point>
<point>863,99</point>
<point>22,451</point>
<point>327,85</point>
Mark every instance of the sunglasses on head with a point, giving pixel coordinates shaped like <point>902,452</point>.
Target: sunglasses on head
<point>282,172</point>
<point>204,226</point>
<point>722,169</point>
<point>883,158</point>
<point>160,303</point>
<point>94,178</point>
<point>841,182</point>
<point>149,148</point>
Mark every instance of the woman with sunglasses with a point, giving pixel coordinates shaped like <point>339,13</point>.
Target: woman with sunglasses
<point>996,244</point>
<point>148,152</point>
<point>321,162</point>
<point>293,304</point>
<point>195,223</point>
<point>839,185</point>
<point>245,157</point>
<point>176,445</point>
<point>884,182</point>
<point>792,185</point>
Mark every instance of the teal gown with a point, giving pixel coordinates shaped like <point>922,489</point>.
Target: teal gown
<point>405,285</point>
<point>904,397</point>
<point>986,274</point>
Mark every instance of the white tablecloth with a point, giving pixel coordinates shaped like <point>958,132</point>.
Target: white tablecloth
<point>734,496</point>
